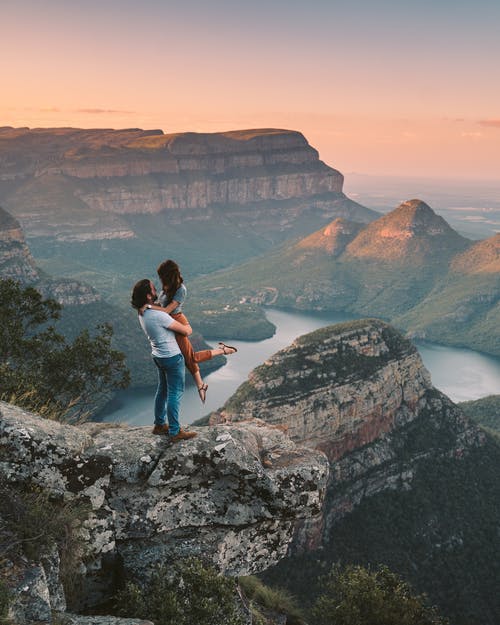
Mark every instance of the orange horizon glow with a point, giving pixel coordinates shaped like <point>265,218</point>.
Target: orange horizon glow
<point>385,90</point>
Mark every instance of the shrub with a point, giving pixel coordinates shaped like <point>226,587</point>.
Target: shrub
<point>41,370</point>
<point>185,593</point>
<point>358,596</point>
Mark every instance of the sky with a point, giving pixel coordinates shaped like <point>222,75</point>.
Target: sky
<point>385,87</point>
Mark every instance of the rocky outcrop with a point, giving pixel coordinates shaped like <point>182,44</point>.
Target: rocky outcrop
<point>148,501</point>
<point>356,391</point>
<point>338,388</point>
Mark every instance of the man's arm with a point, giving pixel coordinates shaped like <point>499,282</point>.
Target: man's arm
<point>180,328</point>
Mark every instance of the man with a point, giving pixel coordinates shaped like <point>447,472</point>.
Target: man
<point>159,328</point>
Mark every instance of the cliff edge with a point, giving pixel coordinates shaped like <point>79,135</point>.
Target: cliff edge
<point>150,501</point>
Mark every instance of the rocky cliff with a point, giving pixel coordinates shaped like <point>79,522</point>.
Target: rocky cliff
<point>413,483</point>
<point>17,263</point>
<point>79,184</point>
<point>149,501</point>
<point>354,391</point>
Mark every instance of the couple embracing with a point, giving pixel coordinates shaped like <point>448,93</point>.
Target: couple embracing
<point>167,329</point>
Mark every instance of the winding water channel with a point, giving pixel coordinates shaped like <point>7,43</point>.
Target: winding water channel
<point>462,374</point>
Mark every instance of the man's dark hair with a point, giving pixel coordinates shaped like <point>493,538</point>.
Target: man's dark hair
<point>140,293</point>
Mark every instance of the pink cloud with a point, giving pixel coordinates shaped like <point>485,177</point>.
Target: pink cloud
<point>100,111</point>
<point>494,123</point>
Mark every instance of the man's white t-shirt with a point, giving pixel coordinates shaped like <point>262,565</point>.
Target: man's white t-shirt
<point>155,324</point>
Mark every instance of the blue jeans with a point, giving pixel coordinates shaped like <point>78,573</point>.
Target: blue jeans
<point>169,392</point>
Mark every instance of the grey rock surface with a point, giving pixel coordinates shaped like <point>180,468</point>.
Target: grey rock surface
<point>149,499</point>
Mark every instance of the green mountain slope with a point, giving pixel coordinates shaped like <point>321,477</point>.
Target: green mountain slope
<point>442,535</point>
<point>485,411</point>
<point>409,267</point>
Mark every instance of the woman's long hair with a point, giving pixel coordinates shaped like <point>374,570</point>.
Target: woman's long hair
<point>170,276</point>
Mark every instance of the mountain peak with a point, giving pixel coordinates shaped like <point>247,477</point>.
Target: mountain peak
<point>417,217</point>
<point>333,238</point>
<point>412,233</point>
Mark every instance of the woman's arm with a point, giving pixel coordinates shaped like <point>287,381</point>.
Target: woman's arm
<point>171,306</point>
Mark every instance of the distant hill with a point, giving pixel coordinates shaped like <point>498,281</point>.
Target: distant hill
<point>482,257</point>
<point>410,235</point>
<point>333,238</point>
<point>484,411</point>
<point>464,305</point>
<point>408,266</point>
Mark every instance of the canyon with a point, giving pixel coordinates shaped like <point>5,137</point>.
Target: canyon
<point>342,420</point>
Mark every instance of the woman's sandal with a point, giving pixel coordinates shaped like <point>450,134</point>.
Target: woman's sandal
<point>202,392</point>
<point>223,346</point>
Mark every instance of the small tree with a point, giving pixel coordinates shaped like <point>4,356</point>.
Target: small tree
<point>41,370</point>
<point>357,596</point>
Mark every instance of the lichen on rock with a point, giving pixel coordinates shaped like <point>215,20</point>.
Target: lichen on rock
<point>150,500</point>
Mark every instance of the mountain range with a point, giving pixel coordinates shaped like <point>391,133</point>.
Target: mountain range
<point>105,205</point>
<point>409,267</point>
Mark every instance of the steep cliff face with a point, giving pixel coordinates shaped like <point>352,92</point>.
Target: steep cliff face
<point>356,391</point>
<point>413,484</point>
<point>151,501</point>
<point>81,183</point>
<point>338,388</point>
<point>17,263</point>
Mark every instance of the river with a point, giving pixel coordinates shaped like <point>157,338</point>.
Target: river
<point>462,374</point>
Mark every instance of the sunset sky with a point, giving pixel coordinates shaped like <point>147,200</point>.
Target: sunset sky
<point>387,87</point>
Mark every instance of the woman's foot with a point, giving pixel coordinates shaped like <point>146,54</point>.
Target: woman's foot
<point>227,349</point>
<point>202,392</point>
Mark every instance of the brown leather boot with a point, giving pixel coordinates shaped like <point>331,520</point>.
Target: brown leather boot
<point>182,435</point>
<point>161,429</point>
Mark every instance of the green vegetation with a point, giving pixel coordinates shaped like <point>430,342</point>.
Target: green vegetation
<point>484,411</point>
<point>183,593</point>
<point>357,596</point>
<point>424,297</point>
<point>41,370</point>
<point>31,524</point>
<point>264,599</point>
<point>442,534</point>
<point>5,598</point>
